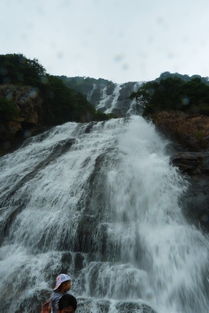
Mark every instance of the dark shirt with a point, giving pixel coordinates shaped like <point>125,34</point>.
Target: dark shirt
<point>55,297</point>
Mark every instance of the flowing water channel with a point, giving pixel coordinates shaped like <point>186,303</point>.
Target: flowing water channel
<point>100,201</point>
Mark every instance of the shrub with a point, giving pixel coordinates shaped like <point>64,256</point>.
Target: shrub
<point>8,110</point>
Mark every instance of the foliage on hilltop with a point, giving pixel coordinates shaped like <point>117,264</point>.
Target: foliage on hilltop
<point>17,69</point>
<point>175,92</point>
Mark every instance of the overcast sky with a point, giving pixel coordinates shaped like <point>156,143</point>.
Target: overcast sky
<point>120,40</point>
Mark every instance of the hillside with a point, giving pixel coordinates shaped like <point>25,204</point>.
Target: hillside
<point>32,100</point>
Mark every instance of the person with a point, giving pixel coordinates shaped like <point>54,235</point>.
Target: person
<point>62,286</point>
<point>67,304</point>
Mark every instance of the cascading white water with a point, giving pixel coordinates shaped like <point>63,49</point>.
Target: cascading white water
<point>100,201</point>
<point>132,108</point>
<point>108,102</point>
<point>115,96</point>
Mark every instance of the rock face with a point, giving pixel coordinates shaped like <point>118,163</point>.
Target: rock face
<point>29,107</point>
<point>26,98</point>
<point>195,201</point>
<point>192,163</point>
<point>190,130</point>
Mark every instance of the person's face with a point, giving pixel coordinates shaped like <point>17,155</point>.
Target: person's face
<point>67,285</point>
<point>67,310</point>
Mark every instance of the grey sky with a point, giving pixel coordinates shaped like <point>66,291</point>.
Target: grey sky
<point>121,40</point>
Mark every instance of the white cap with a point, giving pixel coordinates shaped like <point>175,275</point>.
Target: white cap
<point>61,278</point>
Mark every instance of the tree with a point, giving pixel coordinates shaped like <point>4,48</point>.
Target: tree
<point>17,69</point>
<point>174,93</point>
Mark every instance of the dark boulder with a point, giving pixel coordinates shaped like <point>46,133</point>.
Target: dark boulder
<point>133,307</point>
<point>192,163</point>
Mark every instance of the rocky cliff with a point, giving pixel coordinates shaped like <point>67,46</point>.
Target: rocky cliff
<point>28,103</point>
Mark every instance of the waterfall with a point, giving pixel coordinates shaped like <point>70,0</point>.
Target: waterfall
<point>115,96</point>
<point>104,99</point>
<point>101,202</point>
<point>135,107</point>
<point>109,102</point>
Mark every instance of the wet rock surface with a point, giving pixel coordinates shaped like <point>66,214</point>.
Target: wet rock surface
<point>195,201</point>
<point>104,306</point>
<point>131,307</point>
<point>192,163</point>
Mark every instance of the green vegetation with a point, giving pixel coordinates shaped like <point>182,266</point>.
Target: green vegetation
<point>175,92</point>
<point>16,69</point>
<point>8,110</point>
<point>60,103</point>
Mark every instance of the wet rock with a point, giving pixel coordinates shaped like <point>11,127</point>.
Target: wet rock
<point>79,261</point>
<point>132,307</point>
<point>89,305</point>
<point>192,163</point>
<point>195,201</point>
<point>66,261</point>
<point>86,305</point>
